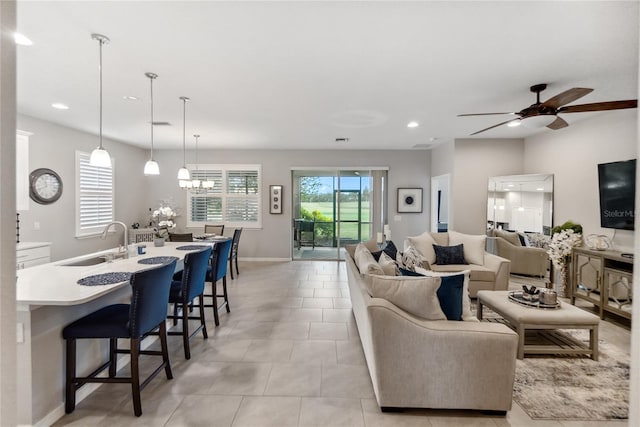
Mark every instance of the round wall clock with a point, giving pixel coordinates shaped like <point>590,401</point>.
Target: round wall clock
<point>45,186</point>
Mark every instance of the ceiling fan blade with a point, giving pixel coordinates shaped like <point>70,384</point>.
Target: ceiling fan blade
<point>484,114</point>
<point>558,123</point>
<point>566,97</point>
<point>491,127</point>
<point>600,106</point>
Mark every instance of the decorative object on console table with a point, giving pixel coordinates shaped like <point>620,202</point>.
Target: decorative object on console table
<point>409,200</point>
<point>565,237</point>
<point>275,199</point>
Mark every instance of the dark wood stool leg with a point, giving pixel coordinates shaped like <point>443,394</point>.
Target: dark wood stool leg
<point>231,267</point>
<point>224,292</point>
<point>70,401</point>
<point>165,350</point>
<point>185,330</point>
<point>135,376</point>
<point>204,326</point>
<point>175,314</point>
<point>214,291</point>
<point>113,357</point>
<point>236,261</point>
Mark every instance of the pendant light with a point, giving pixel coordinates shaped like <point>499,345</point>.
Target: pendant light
<point>183,172</point>
<point>100,156</point>
<point>151,167</point>
<point>196,185</point>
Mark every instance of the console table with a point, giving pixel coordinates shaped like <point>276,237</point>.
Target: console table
<point>604,278</point>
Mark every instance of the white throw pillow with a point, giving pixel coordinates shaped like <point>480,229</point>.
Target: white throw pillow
<point>415,295</point>
<point>467,314</point>
<point>388,265</point>
<point>424,244</point>
<point>473,246</point>
<point>365,261</point>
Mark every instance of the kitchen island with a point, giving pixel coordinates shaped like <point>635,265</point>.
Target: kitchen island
<point>49,298</point>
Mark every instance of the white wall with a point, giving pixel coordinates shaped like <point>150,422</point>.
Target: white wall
<point>406,169</point>
<point>475,161</point>
<point>53,146</point>
<point>572,155</point>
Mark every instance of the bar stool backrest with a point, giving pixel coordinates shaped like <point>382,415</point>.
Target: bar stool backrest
<point>195,273</point>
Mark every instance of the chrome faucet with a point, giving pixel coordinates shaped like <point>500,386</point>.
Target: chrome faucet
<point>122,250</point>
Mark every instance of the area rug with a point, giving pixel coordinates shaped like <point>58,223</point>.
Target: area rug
<point>572,387</point>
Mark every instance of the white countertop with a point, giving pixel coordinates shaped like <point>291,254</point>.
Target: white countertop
<point>56,284</point>
<point>31,245</point>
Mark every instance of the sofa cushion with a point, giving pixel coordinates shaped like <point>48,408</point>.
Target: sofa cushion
<point>473,246</point>
<point>477,273</point>
<point>467,314</point>
<point>388,265</point>
<point>424,244</point>
<point>509,236</point>
<point>365,262</point>
<point>441,239</point>
<point>371,244</point>
<point>446,255</point>
<point>415,295</point>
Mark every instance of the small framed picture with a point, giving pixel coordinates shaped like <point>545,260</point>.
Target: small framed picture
<point>275,199</point>
<point>409,200</point>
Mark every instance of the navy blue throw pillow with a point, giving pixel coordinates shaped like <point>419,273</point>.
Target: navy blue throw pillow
<point>376,255</point>
<point>405,272</point>
<point>391,250</point>
<point>450,296</point>
<point>446,255</point>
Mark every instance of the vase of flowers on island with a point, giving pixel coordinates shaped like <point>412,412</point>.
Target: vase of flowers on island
<point>564,238</point>
<point>162,220</point>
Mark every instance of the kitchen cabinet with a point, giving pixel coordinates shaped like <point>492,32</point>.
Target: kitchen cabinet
<point>29,254</point>
<point>604,278</point>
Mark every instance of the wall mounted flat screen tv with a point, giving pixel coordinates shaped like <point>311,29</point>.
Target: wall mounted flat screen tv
<point>617,182</point>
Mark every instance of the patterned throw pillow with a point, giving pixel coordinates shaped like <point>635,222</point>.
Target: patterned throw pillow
<point>410,259</point>
<point>446,255</point>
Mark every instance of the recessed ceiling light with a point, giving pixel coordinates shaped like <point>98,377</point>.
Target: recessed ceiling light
<point>60,106</point>
<point>540,189</point>
<point>514,123</point>
<point>21,39</point>
<point>413,124</point>
<point>509,185</point>
<point>130,98</point>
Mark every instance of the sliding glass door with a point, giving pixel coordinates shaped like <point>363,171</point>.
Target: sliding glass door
<point>333,208</point>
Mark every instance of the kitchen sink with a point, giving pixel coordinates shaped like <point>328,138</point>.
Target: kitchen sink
<point>86,262</point>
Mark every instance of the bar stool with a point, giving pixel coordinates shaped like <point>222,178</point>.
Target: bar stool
<point>147,312</point>
<point>215,229</point>
<point>181,237</point>
<point>185,290</point>
<point>217,271</point>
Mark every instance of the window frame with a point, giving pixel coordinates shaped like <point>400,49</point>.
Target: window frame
<point>96,230</point>
<point>225,168</point>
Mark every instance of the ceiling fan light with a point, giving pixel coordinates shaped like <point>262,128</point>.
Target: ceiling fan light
<point>540,121</point>
<point>100,157</point>
<point>151,168</point>
<point>183,174</point>
<point>514,123</point>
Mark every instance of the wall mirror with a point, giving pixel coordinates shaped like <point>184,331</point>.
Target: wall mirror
<point>521,203</point>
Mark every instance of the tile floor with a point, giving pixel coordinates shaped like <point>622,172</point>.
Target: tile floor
<point>288,354</point>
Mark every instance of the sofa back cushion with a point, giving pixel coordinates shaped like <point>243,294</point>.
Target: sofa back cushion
<point>473,246</point>
<point>441,239</point>
<point>415,295</point>
<point>509,236</point>
<point>365,261</point>
<point>424,244</point>
<point>388,265</point>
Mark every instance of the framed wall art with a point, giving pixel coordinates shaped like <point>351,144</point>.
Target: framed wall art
<point>409,200</point>
<point>275,199</point>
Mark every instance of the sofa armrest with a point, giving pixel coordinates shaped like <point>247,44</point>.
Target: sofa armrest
<point>524,259</point>
<point>502,268</point>
<point>447,361</point>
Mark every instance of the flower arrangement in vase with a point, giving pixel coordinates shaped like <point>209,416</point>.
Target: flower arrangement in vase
<point>564,239</point>
<point>162,220</point>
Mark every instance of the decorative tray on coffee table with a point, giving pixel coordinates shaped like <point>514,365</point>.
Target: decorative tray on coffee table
<point>519,298</point>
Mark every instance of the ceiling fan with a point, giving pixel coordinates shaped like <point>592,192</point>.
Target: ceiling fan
<point>545,113</point>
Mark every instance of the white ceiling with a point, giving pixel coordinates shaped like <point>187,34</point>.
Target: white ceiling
<point>283,75</point>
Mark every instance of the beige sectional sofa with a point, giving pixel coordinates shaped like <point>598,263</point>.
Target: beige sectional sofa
<point>418,363</point>
<point>488,272</point>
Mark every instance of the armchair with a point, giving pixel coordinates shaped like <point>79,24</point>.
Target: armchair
<point>525,260</point>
